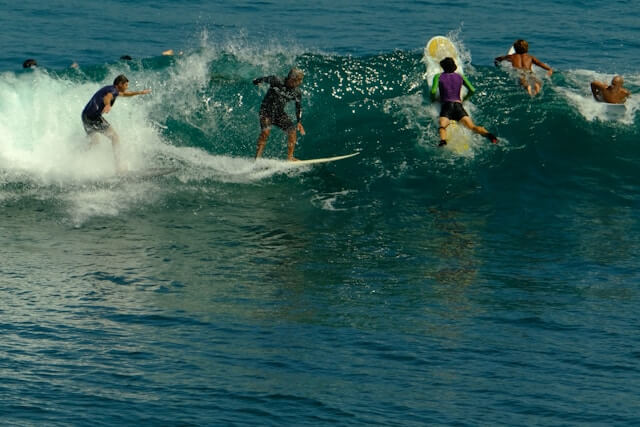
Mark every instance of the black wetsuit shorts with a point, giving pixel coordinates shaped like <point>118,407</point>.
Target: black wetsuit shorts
<point>98,124</point>
<point>453,111</point>
<point>278,118</point>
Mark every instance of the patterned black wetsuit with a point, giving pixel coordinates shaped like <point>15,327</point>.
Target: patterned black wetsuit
<point>272,108</point>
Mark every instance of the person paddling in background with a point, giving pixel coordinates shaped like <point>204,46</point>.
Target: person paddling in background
<point>101,103</point>
<point>613,94</point>
<point>450,84</point>
<point>281,91</point>
<point>523,62</point>
<point>30,63</point>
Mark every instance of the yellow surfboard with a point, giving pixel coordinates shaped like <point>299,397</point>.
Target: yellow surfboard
<point>437,48</point>
<point>440,47</point>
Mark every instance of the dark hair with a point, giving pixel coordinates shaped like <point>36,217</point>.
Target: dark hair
<point>448,65</point>
<point>521,46</point>
<point>120,79</point>
<point>29,63</point>
<point>126,58</point>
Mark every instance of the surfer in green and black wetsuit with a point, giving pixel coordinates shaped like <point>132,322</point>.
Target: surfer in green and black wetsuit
<point>450,84</point>
<point>281,91</point>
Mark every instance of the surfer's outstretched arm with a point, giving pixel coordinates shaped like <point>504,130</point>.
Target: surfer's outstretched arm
<point>470,89</point>
<point>542,65</point>
<point>499,59</point>
<point>266,79</point>
<point>135,92</point>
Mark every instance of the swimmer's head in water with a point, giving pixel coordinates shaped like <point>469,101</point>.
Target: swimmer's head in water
<point>29,63</point>
<point>448,65</point>
<point>521,46</point>
<point>617,81</point>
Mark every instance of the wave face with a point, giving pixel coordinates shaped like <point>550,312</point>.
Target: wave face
<point>202,116</point>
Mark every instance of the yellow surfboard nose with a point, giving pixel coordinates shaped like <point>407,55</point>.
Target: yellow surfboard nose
<point>441,47</point>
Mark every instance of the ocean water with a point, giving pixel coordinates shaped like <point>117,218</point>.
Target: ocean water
<point>408,285</point>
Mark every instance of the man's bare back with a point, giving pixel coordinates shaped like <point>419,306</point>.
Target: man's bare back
<point>523,61</point>
<point>613,94</point>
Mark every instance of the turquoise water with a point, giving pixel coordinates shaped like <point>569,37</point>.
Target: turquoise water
<point>408,285</point>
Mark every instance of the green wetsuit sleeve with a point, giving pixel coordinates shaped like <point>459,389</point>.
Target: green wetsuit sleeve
<point>434,86</point>
<point>469,86</point>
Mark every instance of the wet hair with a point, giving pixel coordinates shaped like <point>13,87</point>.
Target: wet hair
<point>617,80</point>
<point>448,65</point>
<point>126,58</point>
<point>295,73</point>
<point>521,46</point>
<point>120,79</point>
<point>29,63</point>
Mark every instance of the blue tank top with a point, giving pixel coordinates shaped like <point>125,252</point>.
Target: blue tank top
<point>450,85</point>
<point>94,107</point>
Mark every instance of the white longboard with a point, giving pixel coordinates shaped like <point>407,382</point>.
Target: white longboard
<point>322,160</point>
<point>266,163</point>
<point>614,111</point>
<point>436,49</point>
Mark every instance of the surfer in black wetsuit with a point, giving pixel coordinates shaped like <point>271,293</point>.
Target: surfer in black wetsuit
<point>281,91</point>
<point>101,103</point>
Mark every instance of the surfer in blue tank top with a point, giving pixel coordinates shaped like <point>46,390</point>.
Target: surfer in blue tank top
<point>95,106</point>
<point>101,103</point>
<point>450,84</point>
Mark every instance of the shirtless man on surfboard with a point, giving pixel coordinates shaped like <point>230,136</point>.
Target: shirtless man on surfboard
<point>613,94</point>
<point>523,61</point>
<point>450,84</point>
<point>280,92</point>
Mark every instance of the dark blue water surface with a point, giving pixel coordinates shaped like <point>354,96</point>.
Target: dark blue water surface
<point>409,285</point>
